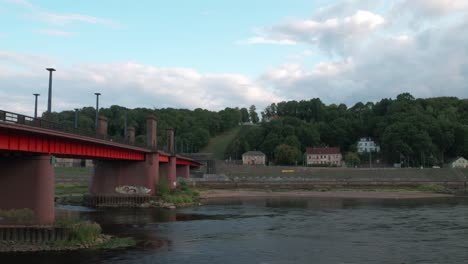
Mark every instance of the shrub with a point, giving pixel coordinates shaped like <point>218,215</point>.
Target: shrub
<point>81,232</point>
<point>163,187</point>
<point>24,215</point>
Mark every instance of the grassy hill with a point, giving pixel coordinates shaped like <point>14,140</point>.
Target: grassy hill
<point>218,144</point>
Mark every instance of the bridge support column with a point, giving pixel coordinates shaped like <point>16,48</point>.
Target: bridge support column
<point>109,175</point>
<point>27,182</point>
<point>183,171</point>
<point>167,173</point>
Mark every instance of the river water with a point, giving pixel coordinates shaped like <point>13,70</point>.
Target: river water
<point>314,230</point>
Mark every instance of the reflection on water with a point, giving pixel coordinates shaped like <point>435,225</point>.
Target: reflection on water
<point>280,230</point>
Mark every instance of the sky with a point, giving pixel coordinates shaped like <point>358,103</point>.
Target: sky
<point>214,54</point>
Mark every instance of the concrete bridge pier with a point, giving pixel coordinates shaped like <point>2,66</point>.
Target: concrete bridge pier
<point>167,173</point>
<point>113,177</point>
<point>183,171</point>
<point>27,182</point>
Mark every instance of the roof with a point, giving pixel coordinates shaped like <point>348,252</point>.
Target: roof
<point>326,150</point>
<point>455,159</point>
<point>253,153</point>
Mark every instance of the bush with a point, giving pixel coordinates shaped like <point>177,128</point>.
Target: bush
<point>163,187</point>
<point>24,215</point>
<point>81,232</point>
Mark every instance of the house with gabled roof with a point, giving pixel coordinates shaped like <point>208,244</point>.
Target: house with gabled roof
<point>324,156</point>
<point>458,162</point>
<point>253,158</point>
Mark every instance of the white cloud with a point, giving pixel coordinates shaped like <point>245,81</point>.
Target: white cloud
<point>128,84</point>
<point>426,64</point>
<point>428,9</point>
<point>53,32</point>
<point>264,40</point>
<point>333,34</point>
<point>63,18</point>
<point>345,8</point>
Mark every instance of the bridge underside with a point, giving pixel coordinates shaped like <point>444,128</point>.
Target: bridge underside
<point>27,172</point>
<point>111,176</point>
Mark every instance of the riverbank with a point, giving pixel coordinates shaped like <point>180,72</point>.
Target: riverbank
<point>240,194</point>
<point>64,235</point>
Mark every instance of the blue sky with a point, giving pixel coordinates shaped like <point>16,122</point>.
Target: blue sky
<point>203,35</point>
<point>216,54</point>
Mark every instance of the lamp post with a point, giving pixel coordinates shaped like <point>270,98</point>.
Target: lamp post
<point>49,100</point>
<point>35,105</point>
<point>76,118</point>
<point>125,124</point>
<point>97,109</point>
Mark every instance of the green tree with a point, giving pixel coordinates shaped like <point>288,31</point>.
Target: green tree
<point>352,159</point>
<point>244,115</point>
<point>287,155</point>
<point>253,114</point>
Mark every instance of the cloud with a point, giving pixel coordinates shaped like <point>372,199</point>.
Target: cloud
<point>333,34</point>
<point>128,84</point>
<point>63,18</point>
<point>429,9</point>
<point>52,32</point>
<point>265,40</point>
<point>427,64</point>
<point>345,8</point>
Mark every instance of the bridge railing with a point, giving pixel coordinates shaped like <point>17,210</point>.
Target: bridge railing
<point>10,117</point>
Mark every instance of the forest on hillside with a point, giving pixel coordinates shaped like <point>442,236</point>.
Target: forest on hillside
<point>412,131</point>
<point>193,128</point>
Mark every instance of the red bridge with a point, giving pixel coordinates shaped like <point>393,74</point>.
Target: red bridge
<point>29,146</point>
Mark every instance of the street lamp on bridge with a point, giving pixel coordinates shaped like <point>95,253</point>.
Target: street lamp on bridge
<point>35,105</point>
<point>97,109</point>
<point>76,118</point>
<point>49,100</point>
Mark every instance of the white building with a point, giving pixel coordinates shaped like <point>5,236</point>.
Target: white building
<point>459,162</point>
<point>367,145</point>
<point>253,158</point>
<point>324,156</point>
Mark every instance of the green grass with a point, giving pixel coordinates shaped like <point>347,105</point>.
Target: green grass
<point>184,195</point>
<point>85,233</point>
<point>70,189</point>
<point>21,216</point>
<point>118,243</point>
<point>73,171</point>
<point>218,144</point>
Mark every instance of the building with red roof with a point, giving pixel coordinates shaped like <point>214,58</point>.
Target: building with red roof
<point>324,156</point>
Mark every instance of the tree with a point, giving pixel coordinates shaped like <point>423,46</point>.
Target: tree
<point>253,114</point>
<point>287,155</point>
<point>244,115</point>
<point>352,159</point>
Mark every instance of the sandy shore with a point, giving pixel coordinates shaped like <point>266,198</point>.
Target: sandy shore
<point>226,194</point>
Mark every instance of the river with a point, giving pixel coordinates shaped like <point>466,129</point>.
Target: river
<point>286,230</point>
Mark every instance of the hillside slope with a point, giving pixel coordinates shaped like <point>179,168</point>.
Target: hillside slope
<point>218,144</point>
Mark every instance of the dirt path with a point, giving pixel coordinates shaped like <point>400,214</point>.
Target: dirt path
<point>214,194</point>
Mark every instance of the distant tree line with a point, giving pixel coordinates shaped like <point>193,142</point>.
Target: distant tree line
<point>193,128</point>
<point>410,131</point>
